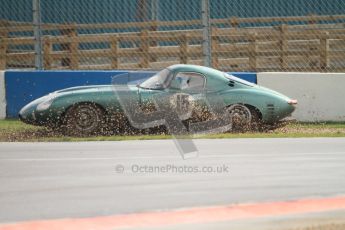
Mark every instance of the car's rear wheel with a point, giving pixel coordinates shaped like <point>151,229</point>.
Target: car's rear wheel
<point>83,120</point>
<point>243,118</point>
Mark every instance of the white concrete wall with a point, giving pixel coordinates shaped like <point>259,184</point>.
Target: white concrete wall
<point>2,95</point>
<point>321,96</point>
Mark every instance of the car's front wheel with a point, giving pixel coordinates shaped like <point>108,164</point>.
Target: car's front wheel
<point>243,118</point>
<point>83,120</point>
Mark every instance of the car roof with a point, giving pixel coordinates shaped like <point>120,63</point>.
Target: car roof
<point>195,68</point>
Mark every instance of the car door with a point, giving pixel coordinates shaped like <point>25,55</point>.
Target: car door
<point>187,90</point>
<point>147,97</point>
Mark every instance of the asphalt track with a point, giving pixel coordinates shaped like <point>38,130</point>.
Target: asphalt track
<point>41,181</point>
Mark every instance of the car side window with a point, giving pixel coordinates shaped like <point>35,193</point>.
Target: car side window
<point>188,81</point>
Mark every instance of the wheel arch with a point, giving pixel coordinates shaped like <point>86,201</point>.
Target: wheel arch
<point>251,107</point>
<point>63,114</point>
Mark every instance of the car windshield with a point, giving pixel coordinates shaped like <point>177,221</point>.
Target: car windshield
<point>231,77</point>
<point>157,81</point>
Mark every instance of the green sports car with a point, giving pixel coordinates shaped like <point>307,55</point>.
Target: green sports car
<point>190,93</point>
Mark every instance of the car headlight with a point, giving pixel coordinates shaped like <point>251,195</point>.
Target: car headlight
<point>45,104</point>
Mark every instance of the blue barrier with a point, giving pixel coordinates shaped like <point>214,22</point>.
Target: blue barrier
<point>250,76</point>
<point>25,86</point>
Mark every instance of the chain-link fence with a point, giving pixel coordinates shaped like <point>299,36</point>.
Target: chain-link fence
<point>236,35</point>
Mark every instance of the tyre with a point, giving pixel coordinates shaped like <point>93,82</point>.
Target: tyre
<point>83,120</point>
<point>243,118</point>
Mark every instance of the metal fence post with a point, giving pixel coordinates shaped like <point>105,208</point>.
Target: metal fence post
<point>36,9</point>
<point>206,34</point>
<point>154,10</point>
